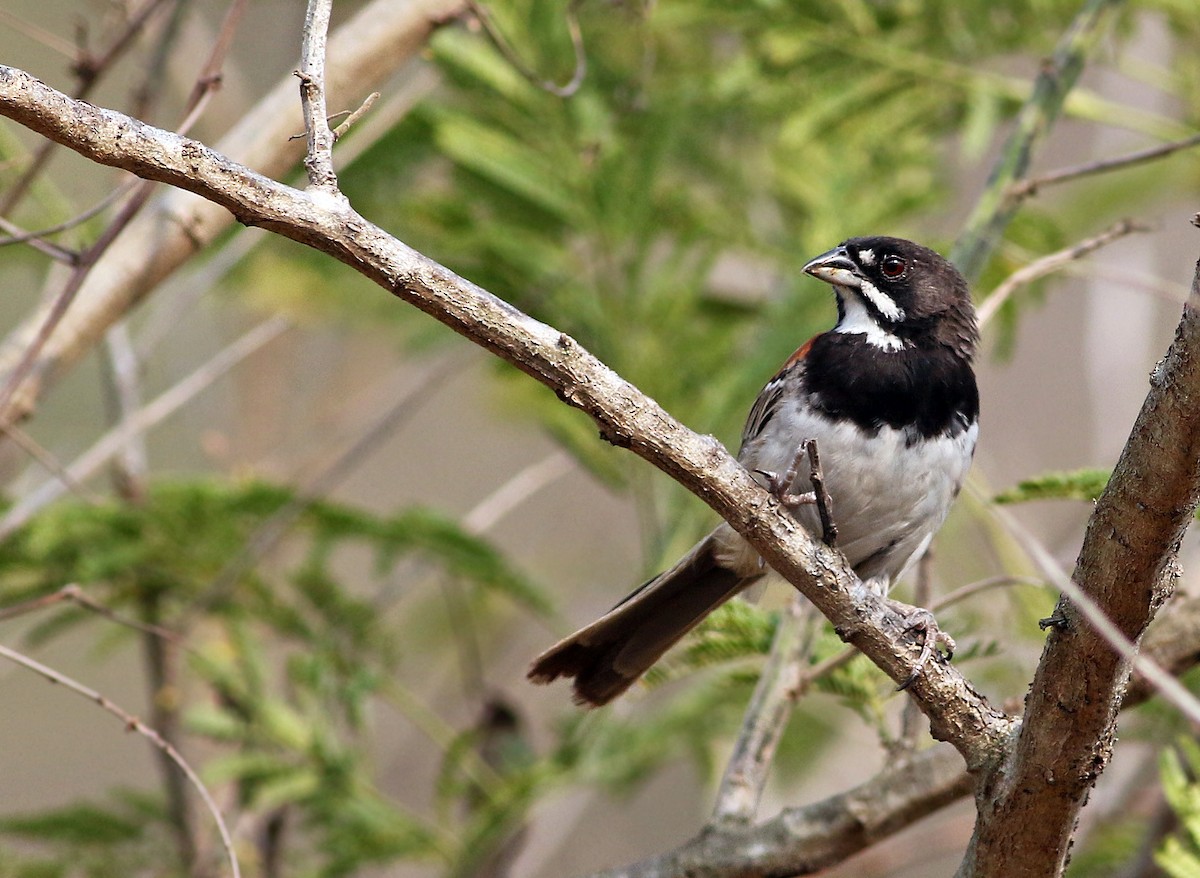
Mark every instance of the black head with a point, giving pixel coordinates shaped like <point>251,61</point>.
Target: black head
<point>899,294</point>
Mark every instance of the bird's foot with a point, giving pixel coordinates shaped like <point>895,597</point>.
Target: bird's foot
<point>781,487</point>
<point>934,639</point>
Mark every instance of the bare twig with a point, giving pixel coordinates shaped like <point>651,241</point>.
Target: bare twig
<point>348,122</point>
<point>122,369</point>
<point>74,594</point>
<point>18,235</point>
<point>29,237</point>
<point>829,531</point>
<point>90,70</point>
<point>1052,262</point>
<point>1164,683</point>
<point>66,296</point>
<point>48,461</point>
<point>153,413</point>
<point>1025,188</point>
<point>133,724</point>
<point>344,128</point>
<point>379,38</point>
<point>319,161</point>
<point>505,48</point>
<point>516,490</point>
<point>207,83</point>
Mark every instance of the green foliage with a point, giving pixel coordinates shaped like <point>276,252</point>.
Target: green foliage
<point>1082,484</point>
<point>293,663</point>
<point>121,835</point>
<point>1179,855</point>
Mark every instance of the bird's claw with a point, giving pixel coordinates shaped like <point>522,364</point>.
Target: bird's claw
<point>934,640</point>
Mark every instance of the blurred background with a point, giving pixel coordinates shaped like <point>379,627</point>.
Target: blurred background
<point>361,528</point>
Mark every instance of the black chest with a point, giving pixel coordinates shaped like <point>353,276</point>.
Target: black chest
<point>924,391</point>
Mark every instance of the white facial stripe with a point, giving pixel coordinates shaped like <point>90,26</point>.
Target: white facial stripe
<point>882,301</point>
<point>866,257</point>
<point>858,320</point>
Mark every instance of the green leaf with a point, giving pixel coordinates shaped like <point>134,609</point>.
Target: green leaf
<point>74,824</point>
<point>1083,484</point>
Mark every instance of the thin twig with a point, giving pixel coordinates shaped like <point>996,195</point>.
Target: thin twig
<point>1026,188</point>
<point>48,461</point>
<point>18,235</point>
<point>510,54</point>
<point>121,372</point>
<point>834,662</point>
<point>133,724</point>
<point>829,531</point>
<point>90,72</point>
<point>1052,262</point>
<point>1166,685</point>
<point>102,205</point>
<point>319,160</point>
<point>153,413</point>
<point>154,75</point>
<point>58,308</point>
<point>268,534</point>
<point>74,594</point>
<point>198,100</point>
<point>973,588</point>
<point>520,487</point>
<point>364,108</point>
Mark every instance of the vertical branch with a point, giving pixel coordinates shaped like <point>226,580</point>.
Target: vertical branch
<point>319,161</point>
<point>1127,567</point>
<point>160,656</point>
<point>996,206</point>
<point>766,717</point>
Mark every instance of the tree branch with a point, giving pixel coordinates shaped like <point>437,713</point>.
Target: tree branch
<point>626,417</point>
<point>1127,566</point>
<point>809,838</point>
<point>319,161</point>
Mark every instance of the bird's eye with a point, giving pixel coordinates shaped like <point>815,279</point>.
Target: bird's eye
<point>893,266</point>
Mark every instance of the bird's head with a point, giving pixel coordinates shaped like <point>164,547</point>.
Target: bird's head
<point>898,294</point>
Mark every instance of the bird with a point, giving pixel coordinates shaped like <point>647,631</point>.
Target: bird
<point>890,398</point>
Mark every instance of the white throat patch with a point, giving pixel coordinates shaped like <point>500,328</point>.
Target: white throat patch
<point>858,320</point>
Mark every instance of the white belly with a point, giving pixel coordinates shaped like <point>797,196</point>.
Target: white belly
<point>889,496</point>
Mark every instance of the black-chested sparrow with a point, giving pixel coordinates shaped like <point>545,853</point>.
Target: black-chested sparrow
<point>890,398</point>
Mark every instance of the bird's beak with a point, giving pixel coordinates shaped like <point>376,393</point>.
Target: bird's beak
<point>834,267</point>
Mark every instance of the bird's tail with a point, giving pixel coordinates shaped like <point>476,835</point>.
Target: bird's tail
<point>608,656</point>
